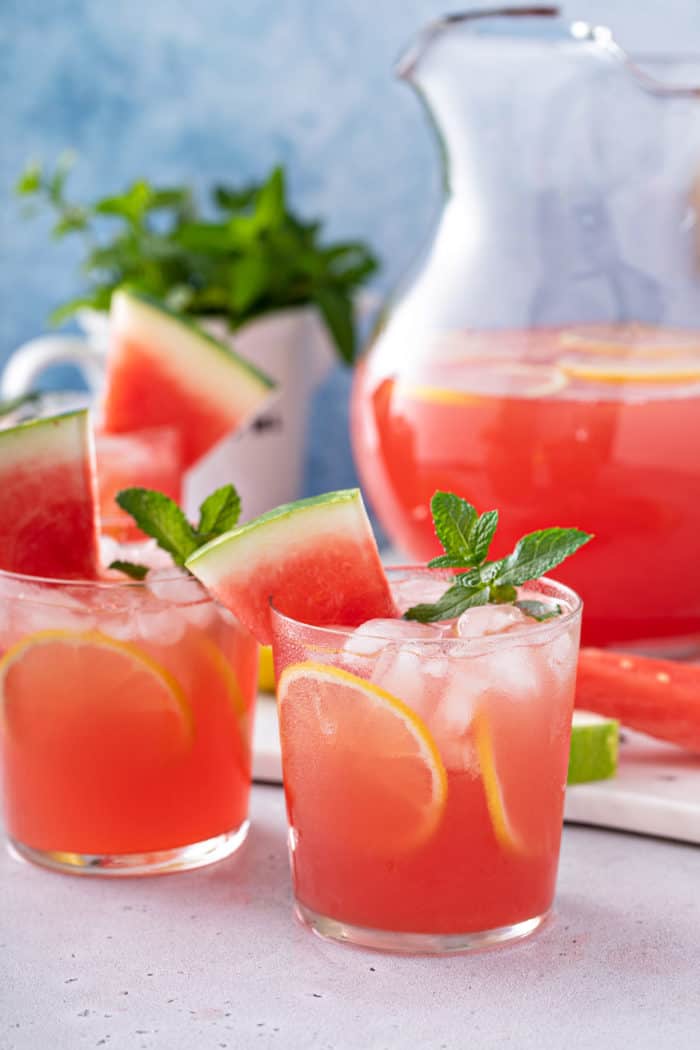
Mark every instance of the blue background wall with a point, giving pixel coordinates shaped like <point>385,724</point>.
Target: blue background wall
<point>212,90</point>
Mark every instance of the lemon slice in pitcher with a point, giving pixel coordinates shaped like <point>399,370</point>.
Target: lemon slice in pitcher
<point>674,369</point>
<point>631,339</point>
<point>464,382</point>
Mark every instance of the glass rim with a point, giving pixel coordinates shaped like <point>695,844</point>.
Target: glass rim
<point>570,30</point>
<point>100,584</point>
<point>526,634</point>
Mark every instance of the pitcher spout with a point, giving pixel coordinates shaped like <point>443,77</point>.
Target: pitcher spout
<point>408,65</point>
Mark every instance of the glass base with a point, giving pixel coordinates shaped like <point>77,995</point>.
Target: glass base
<point>122,865</point>
<point>415,943</point>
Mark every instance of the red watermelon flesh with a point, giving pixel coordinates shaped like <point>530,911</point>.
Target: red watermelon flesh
<point>165,371</point>
<point>49,498</point>
<point>316,559</point>
<point>657,697</point>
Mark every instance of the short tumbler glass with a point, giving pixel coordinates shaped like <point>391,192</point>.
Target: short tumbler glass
<point>425,776</point>
<point>125,728</point>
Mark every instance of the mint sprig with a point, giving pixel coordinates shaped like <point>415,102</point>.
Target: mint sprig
<point>161,518</point>
<point>466,537</point>
<point>219,513</point>
<point>245,254</point>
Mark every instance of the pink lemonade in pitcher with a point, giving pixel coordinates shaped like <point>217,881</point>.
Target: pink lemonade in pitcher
<point>597,426</point>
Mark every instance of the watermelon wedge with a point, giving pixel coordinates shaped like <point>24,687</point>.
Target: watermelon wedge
<point>49,498</point>
<point>163,370</point>
<point>657,697</point>
<point>316,559</point>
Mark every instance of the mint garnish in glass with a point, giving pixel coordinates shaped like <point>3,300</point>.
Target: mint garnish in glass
<point>466,536</point>
<point>161,518</point>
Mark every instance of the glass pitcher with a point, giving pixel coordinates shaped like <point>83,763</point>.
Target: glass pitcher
<point>545,356</point>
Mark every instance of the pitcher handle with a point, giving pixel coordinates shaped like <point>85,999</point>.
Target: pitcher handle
<point>31,359</point>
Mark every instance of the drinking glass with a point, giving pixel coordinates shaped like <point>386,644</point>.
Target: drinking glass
<point>425,772</point>
<point>125,728</point>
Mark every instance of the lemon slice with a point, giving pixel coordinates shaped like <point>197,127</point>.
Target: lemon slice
<point>226,673</point>
<point>470,381</point>
<point>633,370</point>
<point>266,670</point>
<point>358,763</point>
<point>72,689</point>
<point>502,826</point>
<point>631,339</point>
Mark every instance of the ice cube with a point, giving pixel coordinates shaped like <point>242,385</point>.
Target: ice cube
<point>410,676</point>
<point>201,614</point>
<point>141,552</point>
<point>560,654</point>
<point>174,587</point>
<point>451,717</point>
<point>513,672</point>
<point>123,628</point>
<point>418,589</point>
<point>484,620</point>
<point>164,626</point>
<point>374,635</point>
<point>42,608</point>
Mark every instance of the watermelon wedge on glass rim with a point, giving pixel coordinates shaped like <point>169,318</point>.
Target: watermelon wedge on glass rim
<point>164,370</point>
<point>317,558</point>
<point>49,496</point>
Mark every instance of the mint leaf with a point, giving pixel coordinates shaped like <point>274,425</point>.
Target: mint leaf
<point>446,561</point>
<point>453,602</point>
<point>503,594</point>
<point>453,519</point>
<point>482,534</point>
<point>538,610</point>
<point>130,568</point>
<point>219,513</point>
<point>538,552</point>
<point>30,180</point>
<point>466,537</point>
<point>270,205</point>
<point>160,517</point>
<point>250,277</point>
<point>338,313</point>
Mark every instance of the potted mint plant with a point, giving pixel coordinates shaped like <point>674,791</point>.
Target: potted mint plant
<point>248,268</point>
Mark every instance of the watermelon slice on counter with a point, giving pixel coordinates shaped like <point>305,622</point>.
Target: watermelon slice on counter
<point>317,559</point>
<point>163,370</point>
<point>658,697</point>
<point>49,498</point>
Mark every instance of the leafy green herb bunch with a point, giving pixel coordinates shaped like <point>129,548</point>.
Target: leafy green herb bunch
<point>250,255</point>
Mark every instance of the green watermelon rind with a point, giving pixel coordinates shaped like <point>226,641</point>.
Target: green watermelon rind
<point>47,432</point>
<point>207,556</point>
<point>200,333</point>
<point>301,555</point>
<point>231,380</point>
<point>36,448</point>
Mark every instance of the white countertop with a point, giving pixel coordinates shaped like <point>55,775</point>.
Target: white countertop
<point>212,960</point>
